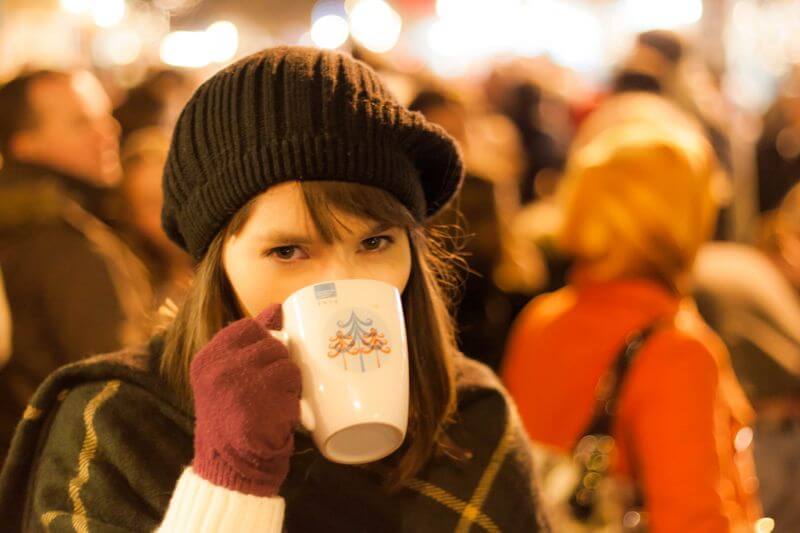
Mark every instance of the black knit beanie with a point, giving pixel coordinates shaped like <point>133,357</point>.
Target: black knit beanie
<point>293,113</point>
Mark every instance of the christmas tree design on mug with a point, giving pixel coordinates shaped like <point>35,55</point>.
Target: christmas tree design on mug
<point>360,340</point>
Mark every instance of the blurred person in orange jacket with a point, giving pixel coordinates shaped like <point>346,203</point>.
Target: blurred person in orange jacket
<point>638,201</point>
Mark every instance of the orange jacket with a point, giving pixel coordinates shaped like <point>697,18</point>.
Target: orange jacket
<point>681,426</point>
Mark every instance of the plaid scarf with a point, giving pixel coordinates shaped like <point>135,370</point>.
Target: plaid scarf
<point>103,442</point>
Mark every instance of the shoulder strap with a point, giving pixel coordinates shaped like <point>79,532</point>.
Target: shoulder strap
<point>610,384</point>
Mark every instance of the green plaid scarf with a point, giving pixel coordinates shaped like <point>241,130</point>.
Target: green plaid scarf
<point>103,442</point>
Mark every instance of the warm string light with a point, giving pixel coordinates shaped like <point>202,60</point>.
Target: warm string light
<point>329,26</point>
<point>765,525</point>
<point>75,6</point>
<point>123,45</point>
<point>371,23</point>
<point>105,13</point>
<point>470,32</point>
<point>193,49</point>
<point>462,34</point>
<point>641,15</point>
<point>375,25</point>
<point>120,47</point>
<point>330,31</point>
<point>762,42</point>
<point>223,41</point>
<point>108,13</point>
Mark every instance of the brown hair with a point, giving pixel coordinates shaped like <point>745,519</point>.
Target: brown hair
<point>211,304</point>
<point>15,106</point>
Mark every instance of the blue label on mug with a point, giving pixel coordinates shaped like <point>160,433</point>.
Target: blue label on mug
<point>325,290</point>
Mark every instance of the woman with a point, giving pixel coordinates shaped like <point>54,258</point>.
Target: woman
<point>638,200</point>
<point>290,167</point>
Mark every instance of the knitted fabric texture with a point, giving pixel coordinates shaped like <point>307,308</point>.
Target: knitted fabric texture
<point>293,113</point>
<point>247,406</point>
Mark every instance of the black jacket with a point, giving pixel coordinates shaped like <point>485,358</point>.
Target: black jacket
<point>73,287</point>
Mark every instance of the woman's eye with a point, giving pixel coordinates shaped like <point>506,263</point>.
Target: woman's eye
<point>376,243</point>
<point>286,253</point>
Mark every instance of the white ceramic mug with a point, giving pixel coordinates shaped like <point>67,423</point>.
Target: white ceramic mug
<point>349,339</point>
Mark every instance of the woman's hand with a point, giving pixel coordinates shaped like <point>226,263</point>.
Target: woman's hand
<point>247,405</point>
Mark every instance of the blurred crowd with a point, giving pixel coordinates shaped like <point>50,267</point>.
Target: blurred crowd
<point>587,214</point>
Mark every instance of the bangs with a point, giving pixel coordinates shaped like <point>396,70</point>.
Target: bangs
<point>211,305</point>
<point>327,201</point>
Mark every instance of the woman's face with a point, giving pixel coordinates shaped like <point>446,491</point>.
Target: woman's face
<point>278,251</point>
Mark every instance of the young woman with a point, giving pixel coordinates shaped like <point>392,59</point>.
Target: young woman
<point>290,167</point>
<point>638,201</point>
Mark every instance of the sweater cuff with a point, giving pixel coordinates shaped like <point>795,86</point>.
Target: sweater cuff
<point>200,506</point>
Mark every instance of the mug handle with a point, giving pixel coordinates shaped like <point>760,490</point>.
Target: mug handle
<point>306,413</point>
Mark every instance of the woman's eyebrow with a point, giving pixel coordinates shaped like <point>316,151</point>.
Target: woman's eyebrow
<point>379,228</point>
<point>288,237</point>
<point>284,237</point>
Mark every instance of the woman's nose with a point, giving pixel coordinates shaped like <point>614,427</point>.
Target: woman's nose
<point>342,268</point>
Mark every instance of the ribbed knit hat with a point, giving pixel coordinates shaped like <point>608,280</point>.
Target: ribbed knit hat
<point>293,113</point>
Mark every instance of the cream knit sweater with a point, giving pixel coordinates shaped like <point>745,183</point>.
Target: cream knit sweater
<point>198,506</point>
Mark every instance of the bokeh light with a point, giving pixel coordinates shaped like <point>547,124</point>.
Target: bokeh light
<point>185,49</point>
<point>765,525</point>
<point>330,31</point>
<point>223,41</point>
<point>108,13</point>
<point>641,15</point>
<point>120,47</point>
<point>75,6</point>
<point>375,25</point>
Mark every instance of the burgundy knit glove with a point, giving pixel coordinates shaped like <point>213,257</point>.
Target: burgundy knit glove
<point>247,404</point>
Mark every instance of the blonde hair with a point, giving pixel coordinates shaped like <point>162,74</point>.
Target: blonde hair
<point>211,305</point>
<point>630,108</point>
<point>638,194</point>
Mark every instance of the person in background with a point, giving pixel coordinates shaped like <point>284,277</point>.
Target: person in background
<point>151,105</point>
<point>314,173</point>
<point>661,62</point>
<point>155,102</point>
<point>5,325</point>
<point>484,312</point>
<point>637,203</point>
<point>751,297</point>
<point>73,287</point>
<point>144,153</point>
<point>544,101</point>
<point>778,149</point>
<point>542,120</point>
